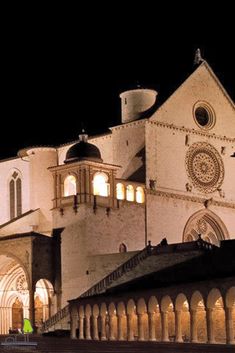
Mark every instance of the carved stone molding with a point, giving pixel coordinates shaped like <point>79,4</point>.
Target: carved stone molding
<point>204,167</point>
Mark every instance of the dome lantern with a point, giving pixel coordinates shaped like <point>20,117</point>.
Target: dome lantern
<point>83,150</point>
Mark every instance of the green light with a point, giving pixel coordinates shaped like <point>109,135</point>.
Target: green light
<point>27,326</point>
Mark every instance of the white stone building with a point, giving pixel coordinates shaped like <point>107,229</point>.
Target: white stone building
<point>71,214</point>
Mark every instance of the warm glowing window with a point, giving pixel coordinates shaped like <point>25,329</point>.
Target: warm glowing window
<point>100,184</point>
<point>120,191</point>
<point>139,194</point>
<point>70,187</point>
<point>130,193</point>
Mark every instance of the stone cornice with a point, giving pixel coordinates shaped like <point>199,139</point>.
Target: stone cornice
<point>219,84</point>
<point>191,131</point>
<point>202,200</point>
<point>126,125</point>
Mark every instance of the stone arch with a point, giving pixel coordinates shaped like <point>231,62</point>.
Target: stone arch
<point>196,298</point>
<point>122,321</point>
<point>112,322</point>
<point>103,309</point>
<point>95,324</point>
<point>101,186</point>
<point>206,223</point>
<point>131,307</point>
<point>215,306</point>
<point>182,318</point>
<point>213,296</point>
<point>88,310</point>
<point>69,184</point>
<point>154,319</point>
<point>19,261</point>
<point>121,310</point>
<point>104,322</point>
<point>132,320</point>
<point>141,306</point>
<point>88,327</point>
<point>198,315</point>
<point>230,297</point>
<point>143,325</point>
<point>44,301</point>
<point>81,311</point>
<point>230,313</point>
<point>95,310</point>
<point>167,318</point>
<point>14,283</point>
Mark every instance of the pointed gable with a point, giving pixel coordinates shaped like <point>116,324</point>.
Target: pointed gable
<point>201,88</point>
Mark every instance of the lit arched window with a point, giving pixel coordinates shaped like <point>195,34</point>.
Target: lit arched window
<point>15,191</point>
<point>120,191</point>
<point>100,184</point>
<point>122,248</point>
<point>139,194</point>
<point>130,193</point>
<point>70,185</point>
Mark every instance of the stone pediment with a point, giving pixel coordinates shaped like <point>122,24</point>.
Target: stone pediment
<point>202,89</point>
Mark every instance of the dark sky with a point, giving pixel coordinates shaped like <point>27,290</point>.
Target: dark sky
<point>62,68</point>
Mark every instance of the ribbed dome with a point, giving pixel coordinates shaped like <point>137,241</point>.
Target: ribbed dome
<point>83,151</point>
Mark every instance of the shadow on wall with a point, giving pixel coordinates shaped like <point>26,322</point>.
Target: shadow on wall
<point>135,170</point>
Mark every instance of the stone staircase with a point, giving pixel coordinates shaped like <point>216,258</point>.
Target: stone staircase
<point>61,320</point>
<point>66,345</point>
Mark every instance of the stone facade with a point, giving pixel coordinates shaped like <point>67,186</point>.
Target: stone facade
<point>167,173</point>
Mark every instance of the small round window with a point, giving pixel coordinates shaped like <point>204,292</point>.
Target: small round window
<point>204,115</point>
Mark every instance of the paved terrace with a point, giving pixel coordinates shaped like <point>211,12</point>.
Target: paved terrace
<point>65,345</point>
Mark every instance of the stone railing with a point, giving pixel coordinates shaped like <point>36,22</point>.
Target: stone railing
<point>101,285</point>
<point>61,314</point>
<point>121,270</point>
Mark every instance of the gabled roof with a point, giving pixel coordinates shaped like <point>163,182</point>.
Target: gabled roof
<point>225,93</point>
<point>214,77</point>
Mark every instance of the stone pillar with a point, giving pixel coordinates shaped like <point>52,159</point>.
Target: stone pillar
<point>152,331</point>
<point>178,326</point>
<point>210,326</point>
<point>229,326</point>
<point>140,327</point>
<point>165,334</point>
<point>130,331</point>
<point>193,326</point>
<point>32,307</point>
<point>73,324</point>
<point>88,327</point>
<point>95,328</point>
<point>111,328</point>
<point>120,328</point>
<point>103,328</point>
<point>81,327</point>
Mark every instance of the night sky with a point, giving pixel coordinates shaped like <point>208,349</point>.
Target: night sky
<point>64,70</point>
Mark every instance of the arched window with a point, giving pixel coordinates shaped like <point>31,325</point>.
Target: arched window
<point>100,184</point>
<point>15,191</point>
<point>139,194</point>
<point>70,185</point>
<point>130,193</point>
<point>120,191</point>
<point>122,248</point>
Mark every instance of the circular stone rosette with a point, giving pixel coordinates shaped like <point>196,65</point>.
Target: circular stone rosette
<point>204,167</point>
<point>21,285</point>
